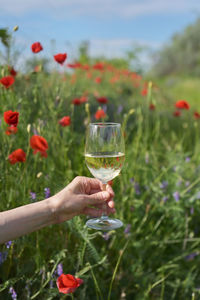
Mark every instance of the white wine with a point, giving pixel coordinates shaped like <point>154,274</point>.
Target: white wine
<point>105,166</point>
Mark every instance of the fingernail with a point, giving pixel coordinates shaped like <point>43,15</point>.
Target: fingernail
<point>105,195</point>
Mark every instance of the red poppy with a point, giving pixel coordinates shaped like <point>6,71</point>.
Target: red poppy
<point>7,81</point>
<point>12,71</point>
<point>75,65</point>
<point>60,58</point>
<point>39,144</point>
<point>177,113</point>
<point>182,104</point>
<point>144,92</point>
<point>100,114</point>
<point>17,156</point>
<point>36,47</point>
<point>65,121</point>
<point>76,101</point>
<point>11,130</point>
<point>99,66</point>
<point>83,99</point>
<point>11,117</point>
<point>102,100</point>
<point>98,80</point>
<point>196,115</point>
<point>152,106</point>
<point>67,283</point>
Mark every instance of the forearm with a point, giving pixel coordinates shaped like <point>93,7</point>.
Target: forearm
<point>25,219</point>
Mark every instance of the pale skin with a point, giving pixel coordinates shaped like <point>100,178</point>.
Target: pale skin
<point>83,196</point>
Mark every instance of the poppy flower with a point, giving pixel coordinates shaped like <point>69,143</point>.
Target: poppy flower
<point>7,81</point>
<point>11,130</point>
<point>144,92</point>
<point>177,113</point>
<point>102,100</point>
<point>65,121</point>
<point>17,156</point>
<point>12,71</point>
<point>152,106</point>
<point>67,283</point>
<point>182,104</point>
<point>36,47</point>
<point>83,99</point>
<point>39,144</point>
<point>196,115</point>
<point>98,80</point>
<point>100,114</point>
<point>60,58</point>
<point>99,66</point>
<point>76,101</point>
<point>11,117</point>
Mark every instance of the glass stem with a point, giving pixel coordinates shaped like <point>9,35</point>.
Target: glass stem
<point>104,208</point>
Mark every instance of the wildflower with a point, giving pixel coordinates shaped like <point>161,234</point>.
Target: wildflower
<point>67,283</point>
<point>59,269</point>
<point>65,121</point>
<point>32,195</point>
<point>196,115</point>
<point>11,130</point>
<point>127,230</point>
<point>39,144</point>
<point>47,192</point>
<point>98,80</point>
<point>13,293</point>
<point>12,71</point>
<point>98,66</point>
<point>100,114</point>
<point>191,256</point>
<point>182,104</point>
<point>11,117</point>
<point>165,198</point>
<point>8,244</point>
<point>164,184</point>
<point>177,113</point>
<point>3,256</point>
<point>176,196</point>
<point>60,58</point>
<point>187,159</point>
<point>137,188</point>
<point>76,101</point>
<point>17,156</point>
<point>144,92</point>
<point>152,106</point>
<point>36,47</point>
<point>7,81</point>
<point>102,100</point>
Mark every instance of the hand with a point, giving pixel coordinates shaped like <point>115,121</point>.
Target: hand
<point>82,196</point>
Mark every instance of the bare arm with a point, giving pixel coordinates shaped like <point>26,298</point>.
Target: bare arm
<point>82,196</point>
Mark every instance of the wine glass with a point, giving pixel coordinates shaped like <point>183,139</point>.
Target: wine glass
<point>104,157</point>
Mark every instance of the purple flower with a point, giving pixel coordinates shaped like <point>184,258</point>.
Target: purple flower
<point>132,179</point>
<point>8,244</point>
<point>106,236</point>
<point>119,109</point>
<point>33,195</point>
<point>191,256</point>
<point>192,210</point>
<point>47,192</point>
<point>3,256</point>
<point>165,198</point>
<point>137,188</point>
<point>59,269</point>
<point>187,183</point>
<point>164,184</point>
<point>176,196</point>
<point>187,159</point>
<point>0,122</point>
<point>13,293</point>
<point>127,230</point>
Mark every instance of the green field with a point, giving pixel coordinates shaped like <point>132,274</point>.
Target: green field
<point>156,254</point>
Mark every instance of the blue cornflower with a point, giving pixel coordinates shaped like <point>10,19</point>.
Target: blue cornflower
<point>164,184</point>
<point>127,230</point>
<point>8,244</point>
<point>59,269</point>
<point>187,159</point>
<point>32,195</point>
<point>165,198</point>
<point>47,192</point>
<point>191,256</point>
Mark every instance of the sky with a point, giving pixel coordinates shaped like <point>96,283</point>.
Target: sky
<point>111,26</point>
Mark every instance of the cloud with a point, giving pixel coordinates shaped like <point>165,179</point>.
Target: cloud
<point>99,8</point>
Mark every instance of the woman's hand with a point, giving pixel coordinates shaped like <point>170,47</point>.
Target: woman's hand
<point>82,196</point>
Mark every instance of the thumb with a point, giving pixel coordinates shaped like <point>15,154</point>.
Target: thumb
<point>98,198</point>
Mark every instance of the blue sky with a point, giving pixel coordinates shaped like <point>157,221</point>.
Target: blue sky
<point>111,26</point>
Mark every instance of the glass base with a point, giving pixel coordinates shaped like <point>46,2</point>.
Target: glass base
<point>104,223</point>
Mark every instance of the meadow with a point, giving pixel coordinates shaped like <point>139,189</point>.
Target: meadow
<point>157,195</point>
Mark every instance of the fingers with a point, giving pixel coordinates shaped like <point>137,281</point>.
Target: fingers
<point>97,198</point>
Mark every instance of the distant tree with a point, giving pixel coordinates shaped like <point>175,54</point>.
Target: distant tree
<point>182,55</point>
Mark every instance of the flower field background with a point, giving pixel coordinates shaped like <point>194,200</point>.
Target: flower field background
<point>156,254</point>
